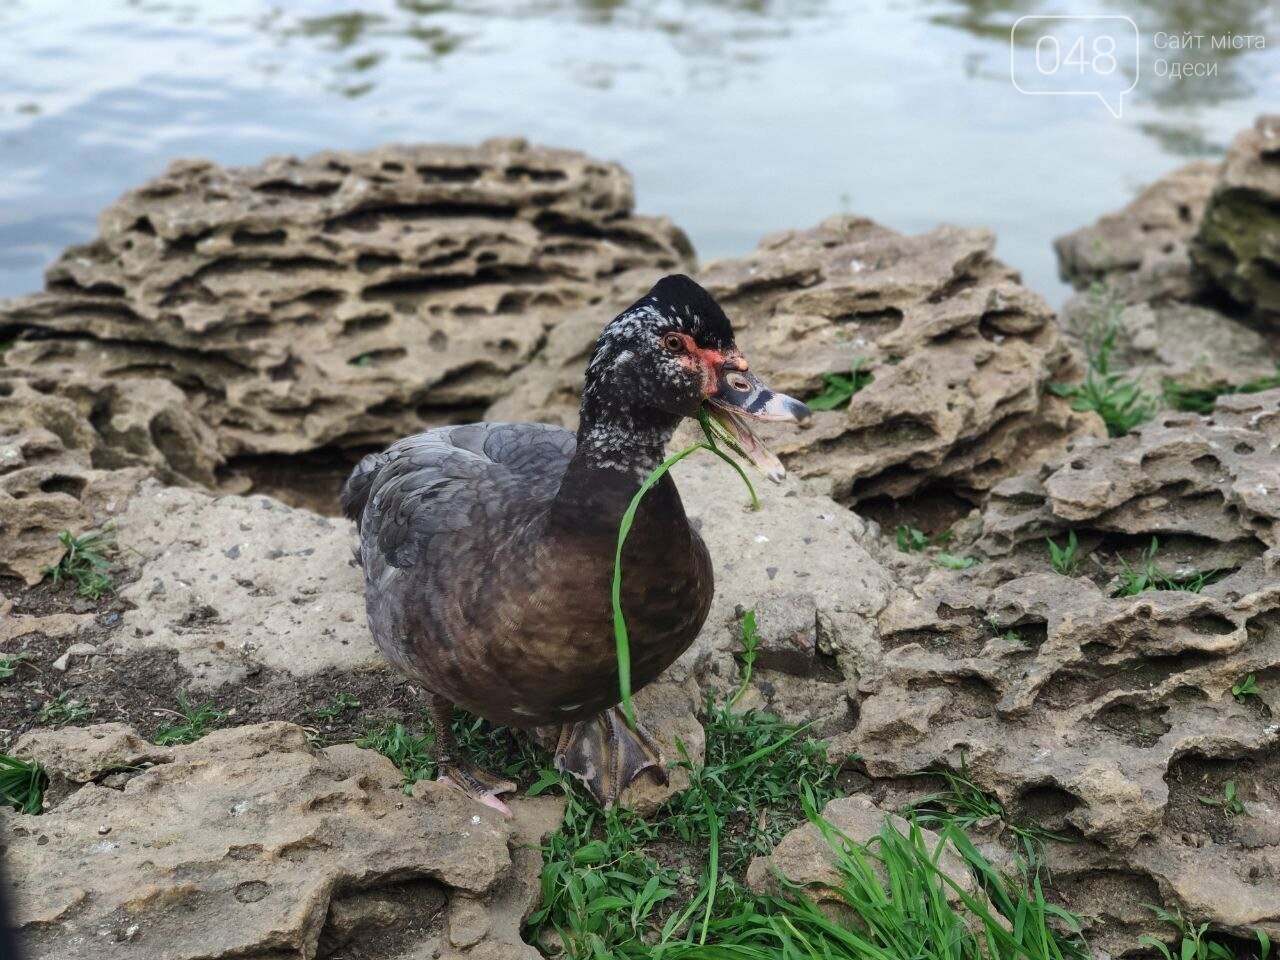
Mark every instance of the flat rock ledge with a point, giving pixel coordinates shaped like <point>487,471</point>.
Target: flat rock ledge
<point>252,843</point>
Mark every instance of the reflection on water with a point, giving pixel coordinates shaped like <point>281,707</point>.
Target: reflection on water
<point>738,117</point>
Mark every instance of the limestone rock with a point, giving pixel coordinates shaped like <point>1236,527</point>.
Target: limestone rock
<point>73,444</point>
<point>1182,475</point>
<point>252,843</point>
<point>80,755</point>
<point>1106,717</point>
<point>47,487</point>
<point>1192,345</point>
<point>1237,249</point>
<point>1141,250</point>
<point>15,625</point>
<point>128,421</point>
<point>787,627</point>
<point>488,928</point>
<point>236,582</point>
<point>801,546</point>
<point>340,302</point>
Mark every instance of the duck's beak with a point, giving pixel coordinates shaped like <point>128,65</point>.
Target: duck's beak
<point>740,397</point>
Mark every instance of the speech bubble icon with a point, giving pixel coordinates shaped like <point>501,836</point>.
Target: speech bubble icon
<point>1075,55</point>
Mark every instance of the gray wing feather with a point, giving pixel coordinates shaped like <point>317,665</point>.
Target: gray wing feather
<point>450,479</point>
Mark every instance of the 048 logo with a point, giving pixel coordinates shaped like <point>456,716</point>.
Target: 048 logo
<point>1075,56</point>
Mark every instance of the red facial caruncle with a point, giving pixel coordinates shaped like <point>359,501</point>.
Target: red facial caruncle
<point>708,361</point>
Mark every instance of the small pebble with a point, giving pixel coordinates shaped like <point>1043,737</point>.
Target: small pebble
<point>104,830</point>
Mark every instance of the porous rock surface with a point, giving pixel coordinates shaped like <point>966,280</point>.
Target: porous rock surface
<point>347,299</point>
<point>1106,717</point>
<point>1185,272</point>
<point>236,583</point>
<point>1237,249</point>
<point>1194,346</point>
<point>74,756</point>
<point>807,567</point>
<point>1141,250</point>
<point>74,445</point>
<point>959,350</point>
<point>252,843</point>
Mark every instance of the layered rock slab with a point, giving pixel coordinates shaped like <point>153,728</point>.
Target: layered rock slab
<point>1237,248</point>
<point>1102,716</point>
<point>347,299</point>
<point>249,842</point>
<point>1141,250</point>
<point>1186,271</point>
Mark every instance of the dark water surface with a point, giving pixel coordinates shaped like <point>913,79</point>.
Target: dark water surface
<point>736,117</point>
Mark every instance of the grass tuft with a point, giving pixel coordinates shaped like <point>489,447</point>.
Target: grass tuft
<point>1147,576</point>
<point>1246,688</point>
<point>1065,560</point>
<point>607,890</point>
<point>412,754</point>
<point>1117,399</point>
<point>963,803</point>
<point>1193,942</point>
<point>490,746</point>
<point>754,766</point>
<point>1201,399</point>
<point>9,663</point>
<point>838,389</point>
<point>951,561</point>
<point>63,710</point>
<point>195,721</point>
<point>900,904</point>
<point>750,648</point>
<point>1230,801</point>
<point>913,540</point>
<point>84,562</point>
<point>22,784</point>
<point>605,897</point>
<point>337,706</point>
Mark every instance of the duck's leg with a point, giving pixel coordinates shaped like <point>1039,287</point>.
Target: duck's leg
<point>606,755</point>
<point>475,782</point>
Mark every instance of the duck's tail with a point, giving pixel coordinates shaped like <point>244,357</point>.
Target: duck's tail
<point>355,492</point>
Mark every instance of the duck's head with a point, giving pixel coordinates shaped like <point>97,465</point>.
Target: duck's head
<point>672,354</point>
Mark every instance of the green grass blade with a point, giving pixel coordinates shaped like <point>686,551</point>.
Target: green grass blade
<point>713,865</point>
<point>621,639</point>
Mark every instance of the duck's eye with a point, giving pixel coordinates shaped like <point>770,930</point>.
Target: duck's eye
<point>673,343</point>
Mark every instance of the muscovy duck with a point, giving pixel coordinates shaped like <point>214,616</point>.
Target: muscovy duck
<point>488,548</point>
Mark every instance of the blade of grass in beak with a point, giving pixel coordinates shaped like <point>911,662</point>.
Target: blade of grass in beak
<point>621,640</point>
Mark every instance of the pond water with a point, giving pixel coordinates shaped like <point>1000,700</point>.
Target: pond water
<point>736,117</point>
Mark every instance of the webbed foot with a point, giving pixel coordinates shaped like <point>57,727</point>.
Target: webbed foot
<point>476,782</point>
<point>606,755</point>
<point>472,781</point>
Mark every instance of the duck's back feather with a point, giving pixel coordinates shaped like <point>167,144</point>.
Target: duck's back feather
<point>449,479</point>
